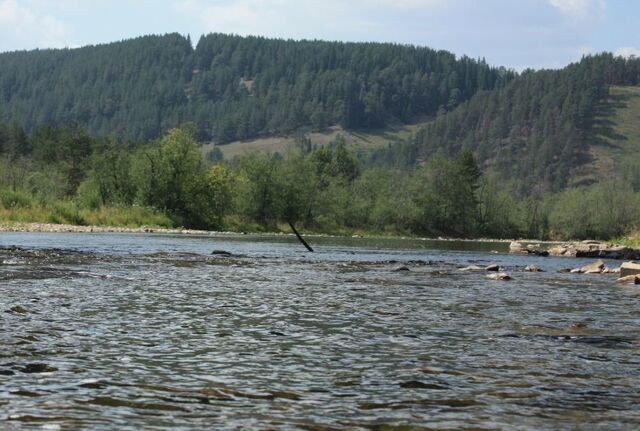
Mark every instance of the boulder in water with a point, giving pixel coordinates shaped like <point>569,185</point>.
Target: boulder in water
<point>629,268</point>
<point>593,268</point>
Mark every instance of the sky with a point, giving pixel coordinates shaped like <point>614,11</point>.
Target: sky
<point>517,34</point>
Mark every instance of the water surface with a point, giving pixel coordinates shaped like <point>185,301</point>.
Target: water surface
<point>123,331</point>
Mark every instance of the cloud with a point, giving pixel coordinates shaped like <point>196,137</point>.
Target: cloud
<point>23,27</point>
<point>580,9</point>
<point>406,4</point>
<point>628,51</point>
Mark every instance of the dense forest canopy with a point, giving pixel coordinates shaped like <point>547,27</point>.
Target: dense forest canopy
<point>233,87</point>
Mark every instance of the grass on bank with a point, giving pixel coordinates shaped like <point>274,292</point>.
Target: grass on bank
<point>631,240</point>
<point>20,208</point>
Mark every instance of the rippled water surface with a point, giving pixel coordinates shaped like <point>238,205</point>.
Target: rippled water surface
<point>149,331</point>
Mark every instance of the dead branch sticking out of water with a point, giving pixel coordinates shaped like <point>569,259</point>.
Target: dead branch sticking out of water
<point>293,228</point>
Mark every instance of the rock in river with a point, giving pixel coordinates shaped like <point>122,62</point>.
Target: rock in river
<point>401,269</point>
<point>221,253</point>
<point>38,367</point>
<point>629,268</point>
<point>629,279</point>
<point>516,247</point>
<point>532,268</point>
<point>593,268</point>
<point>499,276</point>
<point>472,268</point>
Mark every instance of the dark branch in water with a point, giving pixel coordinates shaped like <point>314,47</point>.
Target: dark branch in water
<point>293,228</point>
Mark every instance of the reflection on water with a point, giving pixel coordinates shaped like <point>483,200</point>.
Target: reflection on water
<point>151,331</point>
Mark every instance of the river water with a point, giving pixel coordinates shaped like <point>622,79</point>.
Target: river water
<point>128,332</point>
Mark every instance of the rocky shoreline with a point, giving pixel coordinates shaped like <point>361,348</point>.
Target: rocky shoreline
<point>68,228</point>
<point>628,272</point>
<point>592,249</point>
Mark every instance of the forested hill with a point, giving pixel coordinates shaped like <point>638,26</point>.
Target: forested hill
<point>233,87</point>
<point>543,130</point>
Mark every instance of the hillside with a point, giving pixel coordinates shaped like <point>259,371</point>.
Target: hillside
<point>614,145</point>
<point>234,88</point>
<point>542,129</point>
<point>539,131</point>
<point>360,141</point>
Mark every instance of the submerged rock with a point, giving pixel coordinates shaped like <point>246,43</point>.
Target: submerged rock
<point>17,310</point>
<point>38,367</point>
<point>472,268</point>
<point>416,384</point>
<point>401,269</point>
<point>221,253</point>
<point>493,267</point>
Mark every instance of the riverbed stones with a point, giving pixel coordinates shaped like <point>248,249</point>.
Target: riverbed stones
<point>473,268</point>
<point>593,268</point>
<point>534,249</point>
<point>629,279</point>
<point>38,367</point>
<point>558,250</point>
<point>629,268</point>
<point>516,247</point>
<point>611,271</point>
<point>501,276</point>
<point>594,249</point>
<point>17,309</point>
<point>221,253</point>
<point>401,269</point>
<point>532,268</point>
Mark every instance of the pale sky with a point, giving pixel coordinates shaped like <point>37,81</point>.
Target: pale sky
<point>512,33</point>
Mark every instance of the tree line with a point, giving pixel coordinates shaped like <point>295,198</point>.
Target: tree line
<point>65,175</point>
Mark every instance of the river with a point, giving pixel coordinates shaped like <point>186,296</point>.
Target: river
<point>128,332</point>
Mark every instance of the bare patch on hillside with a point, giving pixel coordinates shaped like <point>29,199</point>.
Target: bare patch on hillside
<point>358,140</point>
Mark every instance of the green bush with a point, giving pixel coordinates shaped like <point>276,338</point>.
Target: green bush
<point>66,212</point>
<point>14,199</point>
